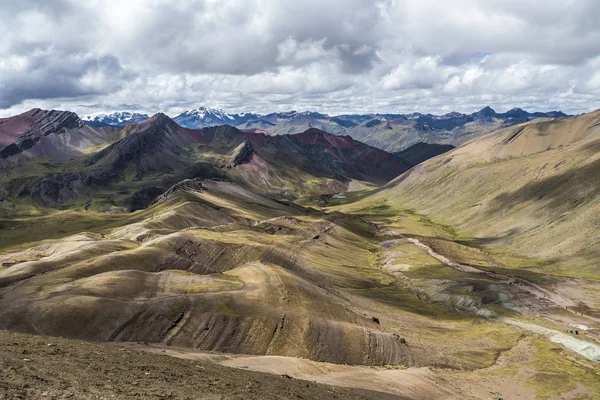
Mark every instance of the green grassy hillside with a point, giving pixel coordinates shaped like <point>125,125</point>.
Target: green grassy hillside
<point>529,190</point>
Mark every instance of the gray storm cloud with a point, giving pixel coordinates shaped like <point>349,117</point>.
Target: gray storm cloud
<point>334,56</point>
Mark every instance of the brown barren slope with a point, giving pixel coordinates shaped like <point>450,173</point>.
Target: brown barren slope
<point>35,367</point>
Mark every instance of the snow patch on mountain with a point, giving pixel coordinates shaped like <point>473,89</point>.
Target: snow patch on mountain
<point>120,118</point>
<point>203,117</point>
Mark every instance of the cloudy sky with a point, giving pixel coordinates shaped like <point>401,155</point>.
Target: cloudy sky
<point>332,56</point>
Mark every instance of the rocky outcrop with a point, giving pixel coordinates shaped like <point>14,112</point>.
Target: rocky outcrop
<point>22,143</point>
<point>142,198</point>
<point>56,189</point>
<point>53,121</point>
<point>243,154</point>
<point>187,185</point>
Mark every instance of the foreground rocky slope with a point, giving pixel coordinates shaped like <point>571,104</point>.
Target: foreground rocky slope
<point>35,367</point>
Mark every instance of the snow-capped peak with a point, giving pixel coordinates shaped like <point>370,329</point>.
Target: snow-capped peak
<point>119,118</point>
<point>206,112</point>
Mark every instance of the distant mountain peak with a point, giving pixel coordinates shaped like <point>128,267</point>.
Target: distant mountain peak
<point>119,118</point>
<point>314,114</point>
<point>453,114</point>
<point>202,117</point>
<point>159,120</point>
<point>486,111</point>
<point>315,131</point>
<point>160,117</point>
<point>207,112</point>
<point>516,113</point>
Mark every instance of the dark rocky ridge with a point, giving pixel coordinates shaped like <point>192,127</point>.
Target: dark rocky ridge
<point>142,198</point>
<point>22,143</point>
<point>151,146</point>
<point>53,121</point>
<point>243,154</point>
<point>158,153</point>
<point>160,145</point>
<point>187,185</point>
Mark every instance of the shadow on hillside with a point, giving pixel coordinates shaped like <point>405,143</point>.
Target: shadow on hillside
<point>593,148</point>
<point>562,192</point>
<point>403,299</point>
<point>489,240</point>
<point>378,212</point>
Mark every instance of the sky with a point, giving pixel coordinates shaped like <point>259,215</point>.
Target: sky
<point>331,56</point>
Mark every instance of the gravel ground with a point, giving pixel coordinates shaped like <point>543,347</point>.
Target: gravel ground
<point>36,367</point>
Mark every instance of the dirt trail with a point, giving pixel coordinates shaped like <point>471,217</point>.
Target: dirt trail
<point>584,348</point>
<point>527,286</point>
<point>588,350</point>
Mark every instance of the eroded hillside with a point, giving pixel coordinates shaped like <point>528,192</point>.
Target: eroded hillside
<point>219,268</point>
<point>211,266</point>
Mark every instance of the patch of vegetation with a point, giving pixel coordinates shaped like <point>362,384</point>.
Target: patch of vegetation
<point>436,272</point>
<point>210,283</point>
<point>23,232</point>
<point>400,297</point>
<point>531,276</point>
<point>558,374</point>
<point>225,306</point>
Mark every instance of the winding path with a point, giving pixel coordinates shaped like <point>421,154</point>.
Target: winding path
<point>586,349</point>
<point>530,287</point>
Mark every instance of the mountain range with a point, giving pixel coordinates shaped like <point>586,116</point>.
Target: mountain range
<point>56,159</point>
<point>115,119</point>
<point>390,132</point>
